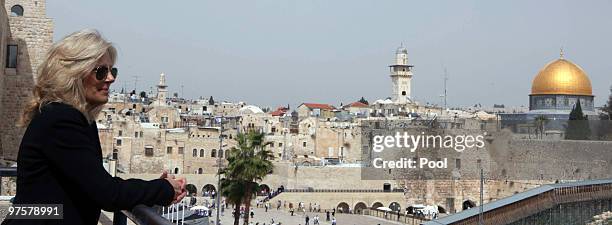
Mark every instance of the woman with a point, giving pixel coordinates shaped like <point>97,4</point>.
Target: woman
<point>60,158</point>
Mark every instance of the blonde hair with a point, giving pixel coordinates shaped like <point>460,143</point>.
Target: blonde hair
<point>61,74</point>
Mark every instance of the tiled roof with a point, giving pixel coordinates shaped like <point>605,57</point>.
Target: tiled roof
<point>318,106</point>
<point>358,105</point>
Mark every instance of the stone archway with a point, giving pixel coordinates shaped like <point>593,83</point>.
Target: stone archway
<point>395,206</point>
<point>343,207</point>
<point>191,189</point>
<point>264,189</point>
<point>467,204</point>
<point>208,189</point>
<point>376,205</point>
<point>359,207</point>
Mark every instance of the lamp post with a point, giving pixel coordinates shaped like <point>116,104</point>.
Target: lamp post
<point>219,166</point>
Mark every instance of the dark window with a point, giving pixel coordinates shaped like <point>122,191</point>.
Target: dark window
<point>169,150</point>
<point>118,142</point>
<point>213,153</point>
<point>220,153</point>
<point>404,93</point>
<point>458,163</point>
<point>11,56</point>
<point>181,150</point>
<point>195,152</point>
<point>148,151</point>
<point>115,154</point>
<point>135,134</point>
<point>16,10</point>
<point>120,133</point>
<point>303,144</point>
<point>200,170</point>
<point>201,152</point>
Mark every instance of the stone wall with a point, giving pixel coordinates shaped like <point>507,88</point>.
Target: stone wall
<point>33,34</point>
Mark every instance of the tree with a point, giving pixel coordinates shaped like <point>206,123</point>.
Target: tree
<point>362,100</point>
<point>578,125</point>
<point>248,163</point>
<point>608,106</point>
<point>540,122</point>
<point>233,190</point>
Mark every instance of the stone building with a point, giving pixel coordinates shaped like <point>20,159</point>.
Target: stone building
<point>27,34</point>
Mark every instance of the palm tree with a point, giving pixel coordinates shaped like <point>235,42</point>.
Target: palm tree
<point>248,163</point>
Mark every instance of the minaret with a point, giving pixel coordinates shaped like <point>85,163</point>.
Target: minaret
<point>161,90</point>
<point>401,76</point>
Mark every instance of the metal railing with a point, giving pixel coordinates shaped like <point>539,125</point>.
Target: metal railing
<point>140,214</point>
<point>342,190</point>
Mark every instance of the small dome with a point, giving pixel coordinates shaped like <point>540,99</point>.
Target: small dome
<point>561,77</point>
<point>250,109</point>
<point>401,50</point>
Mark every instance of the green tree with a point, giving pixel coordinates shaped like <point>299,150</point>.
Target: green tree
<point>608,106</point>
<point>540,123</point>
<point>248,163</point>
<point>362,100</point>
<point>578,125</point>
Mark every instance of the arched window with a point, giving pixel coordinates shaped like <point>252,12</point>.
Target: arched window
<point>200,170</point>
<point>220,153</point>
<point>213,153</point>
<point>201,152</point>
<point>17,10</point>
<point>195,152</point>
<point>176,170</point>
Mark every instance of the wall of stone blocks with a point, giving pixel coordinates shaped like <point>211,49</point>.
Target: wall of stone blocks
<point>33,33</point>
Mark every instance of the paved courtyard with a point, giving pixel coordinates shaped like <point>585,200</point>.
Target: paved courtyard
<point>285,217</point>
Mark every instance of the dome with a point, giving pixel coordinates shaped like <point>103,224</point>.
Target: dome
<point>250,109</point>
<point>561,77</point>
<point>401,50</point>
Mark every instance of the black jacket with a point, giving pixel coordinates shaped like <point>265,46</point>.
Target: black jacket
<point>60,162</point>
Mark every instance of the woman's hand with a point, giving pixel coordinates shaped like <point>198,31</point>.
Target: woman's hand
<point>177,184</point>
<point>179,188</point>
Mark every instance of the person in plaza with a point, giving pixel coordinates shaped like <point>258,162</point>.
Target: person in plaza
<point>252,214</point>
<point>307,219</point>
<point>315,220</point>
<point>326,215</point>
<point>60,157</point>
<point>333,221</point>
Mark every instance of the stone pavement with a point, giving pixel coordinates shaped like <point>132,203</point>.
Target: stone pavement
<point>299,218</point>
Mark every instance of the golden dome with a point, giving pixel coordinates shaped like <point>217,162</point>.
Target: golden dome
<point>561,77</point>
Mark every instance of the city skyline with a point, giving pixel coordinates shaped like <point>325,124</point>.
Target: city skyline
<point>272,53</point>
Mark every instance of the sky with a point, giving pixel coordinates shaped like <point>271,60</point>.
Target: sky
<point>278,52</point>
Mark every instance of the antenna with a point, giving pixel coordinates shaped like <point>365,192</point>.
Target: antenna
<point>445,94</point>
<point>135,82</point>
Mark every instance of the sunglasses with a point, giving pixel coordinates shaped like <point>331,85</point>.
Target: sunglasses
<point>102,72</point>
